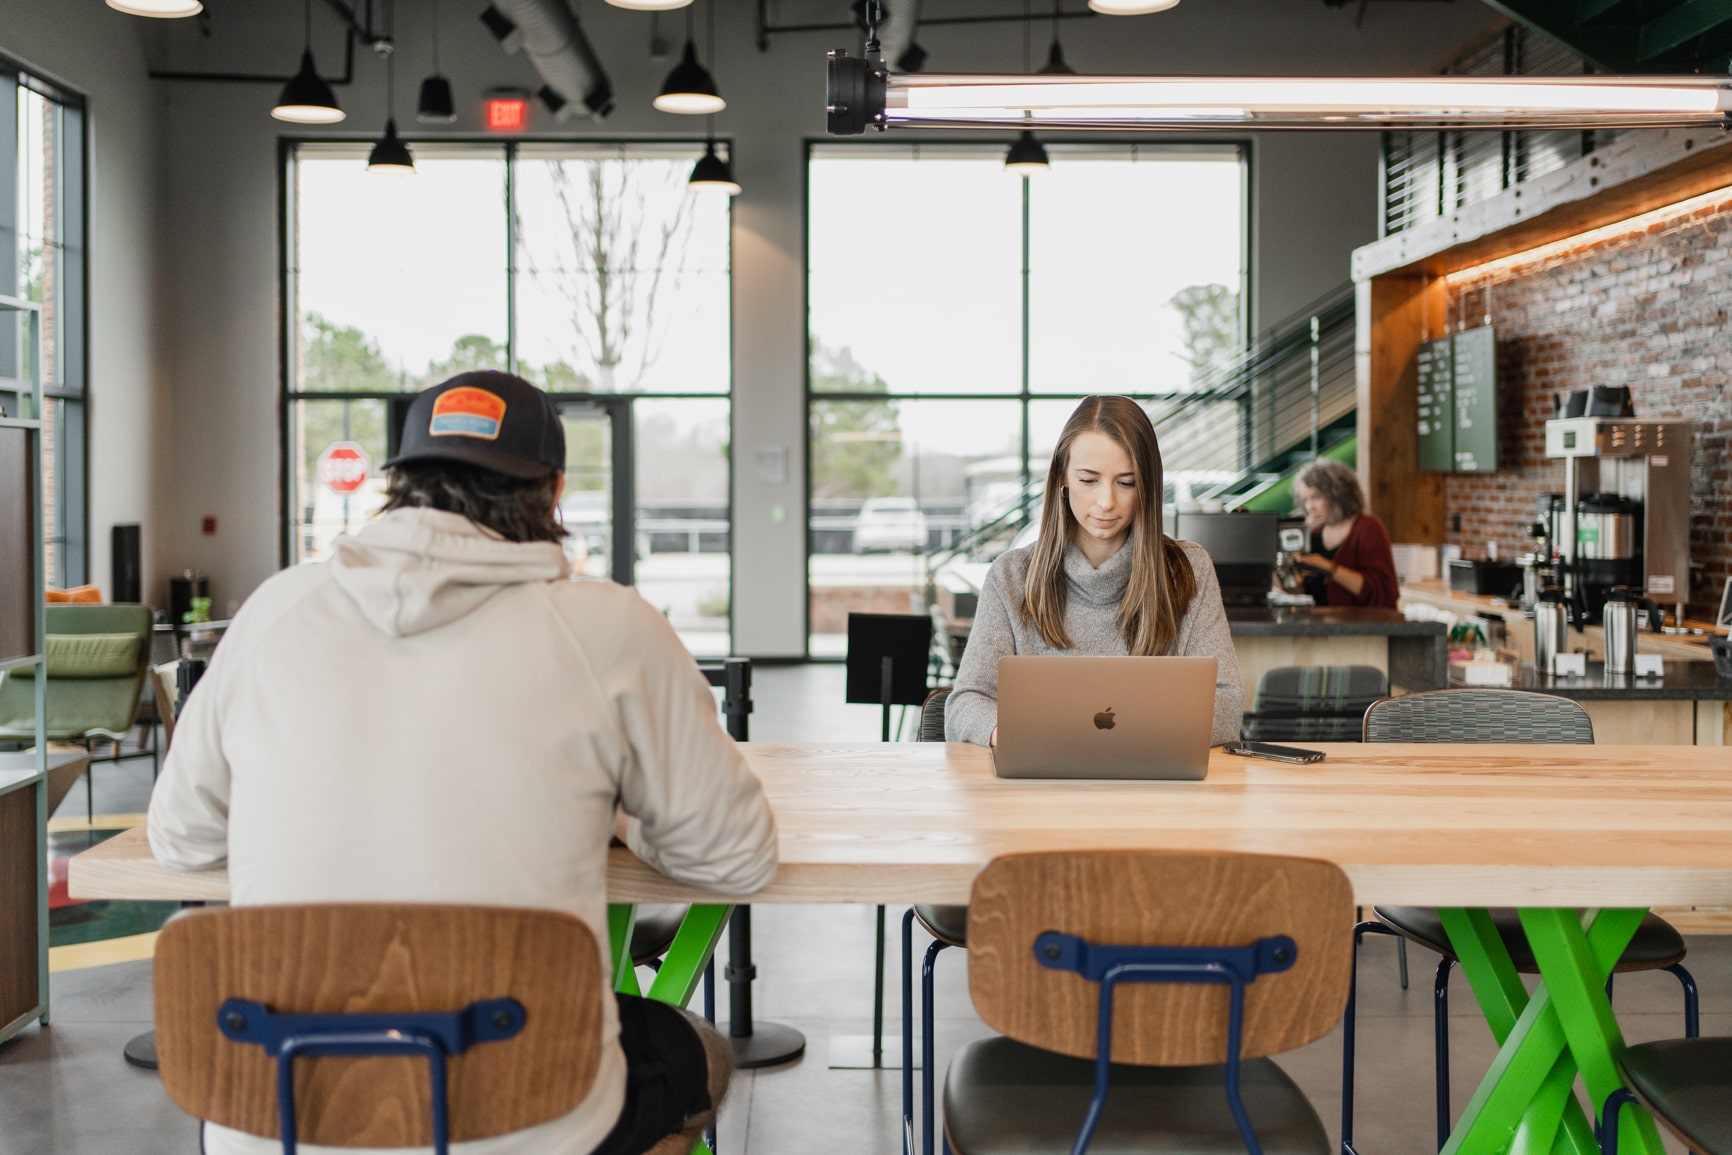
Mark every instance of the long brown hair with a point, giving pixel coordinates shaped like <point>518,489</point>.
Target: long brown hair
<point>1161,584</point>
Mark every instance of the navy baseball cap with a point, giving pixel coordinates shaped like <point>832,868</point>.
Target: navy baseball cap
<point>485,418</point>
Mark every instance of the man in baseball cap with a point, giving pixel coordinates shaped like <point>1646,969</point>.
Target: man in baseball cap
<point>439,714</point>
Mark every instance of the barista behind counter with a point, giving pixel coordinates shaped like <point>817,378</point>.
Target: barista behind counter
<point>1350,563</point>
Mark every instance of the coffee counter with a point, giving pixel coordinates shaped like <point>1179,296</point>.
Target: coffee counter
<point>1519,629</point>
<point>1689,704</point>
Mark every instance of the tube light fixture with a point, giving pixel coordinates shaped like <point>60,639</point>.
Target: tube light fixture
<point>163,9</point>
<point>862,93</point>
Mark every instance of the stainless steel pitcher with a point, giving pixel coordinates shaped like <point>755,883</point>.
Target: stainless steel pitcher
<point>1551,633</point>
<point>1619,619</point>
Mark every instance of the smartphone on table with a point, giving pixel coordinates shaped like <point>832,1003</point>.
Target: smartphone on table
<point>1274,753</point>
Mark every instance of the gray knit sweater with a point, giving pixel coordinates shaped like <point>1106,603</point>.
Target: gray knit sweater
<point>1090,618</point>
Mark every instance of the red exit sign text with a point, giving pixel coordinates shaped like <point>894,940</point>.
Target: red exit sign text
<point>505,113</point>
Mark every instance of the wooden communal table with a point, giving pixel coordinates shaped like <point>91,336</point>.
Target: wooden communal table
<point>1543,828</point>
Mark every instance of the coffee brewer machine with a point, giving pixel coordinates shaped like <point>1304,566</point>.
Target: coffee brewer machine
<point>1623,519</point>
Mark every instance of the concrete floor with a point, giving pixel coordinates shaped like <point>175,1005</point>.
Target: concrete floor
<point>66,1089</point>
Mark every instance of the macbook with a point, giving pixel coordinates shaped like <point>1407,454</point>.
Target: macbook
<point>1097,717</point>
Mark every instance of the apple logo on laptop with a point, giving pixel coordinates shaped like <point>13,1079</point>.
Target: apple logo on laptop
<point>1104,719</point>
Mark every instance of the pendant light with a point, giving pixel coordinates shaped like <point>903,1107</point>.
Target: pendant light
<point>1130,7</point>
<point>650,5</point>
<point>690,90</point>
<point>712,173</point>
<point>162,9</point>
<point>306,98</point>
<point>391,155</point>
<point>1055,62</point>
<point>435,105</point>
<point>1028,156</point>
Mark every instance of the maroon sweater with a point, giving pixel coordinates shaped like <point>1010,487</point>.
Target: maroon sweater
<point>1365,550</point>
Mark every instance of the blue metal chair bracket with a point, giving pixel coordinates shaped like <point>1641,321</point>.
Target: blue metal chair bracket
<point>435,1034</point>
<point>1110,965</point>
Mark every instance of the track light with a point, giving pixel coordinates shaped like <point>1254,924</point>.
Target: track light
<point>1130,7</point>
<point>504,28</point>
<point>713,174</point>
<point>1027,156</point>
<point>306,98</point>
<point>690,90</point>
<point>163,9</point>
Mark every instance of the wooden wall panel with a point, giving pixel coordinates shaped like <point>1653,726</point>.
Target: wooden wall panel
<point>19,889</point>
<point>1396,314</point>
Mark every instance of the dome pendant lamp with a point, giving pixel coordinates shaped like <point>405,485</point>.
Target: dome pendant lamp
<point>690,90</point>
<point>162,9</point>
<point>435,105</point>
<point>1027,156</point>
<point>713,174</point>
<point>306,98</point>
<point>1131,7</point>
<point>391,155</point>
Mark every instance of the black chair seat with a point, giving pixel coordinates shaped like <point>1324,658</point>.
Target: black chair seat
<point>1657,943</point>
<point>1688,1084</point>
<point>946,923</point>
<point>1002,1097</point>
<point>654,930</point>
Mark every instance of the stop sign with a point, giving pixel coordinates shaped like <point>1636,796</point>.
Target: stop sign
<point>343,467</point>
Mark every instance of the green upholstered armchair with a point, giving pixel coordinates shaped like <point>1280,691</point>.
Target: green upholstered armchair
<point>96,664</point>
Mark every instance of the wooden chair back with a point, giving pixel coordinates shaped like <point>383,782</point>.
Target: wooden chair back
<point>1479,715</point>
<point>372,959</point>
<point>1158,898</point>
<point>165,684</point>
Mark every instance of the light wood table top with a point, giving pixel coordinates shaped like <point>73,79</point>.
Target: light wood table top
<point>1414,825</point>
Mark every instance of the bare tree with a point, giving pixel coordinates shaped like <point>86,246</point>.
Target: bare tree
<point>628,225</point>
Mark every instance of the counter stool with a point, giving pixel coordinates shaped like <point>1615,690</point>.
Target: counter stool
<point>1686,1084</point>
<point>1486,716</point>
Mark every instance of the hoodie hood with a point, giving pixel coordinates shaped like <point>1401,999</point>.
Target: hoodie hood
<point>414,570</point>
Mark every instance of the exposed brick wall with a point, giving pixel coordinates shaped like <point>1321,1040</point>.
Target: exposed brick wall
<point>1647,309</point>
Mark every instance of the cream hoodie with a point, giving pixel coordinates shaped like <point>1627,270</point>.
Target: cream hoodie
<point>440,716</point>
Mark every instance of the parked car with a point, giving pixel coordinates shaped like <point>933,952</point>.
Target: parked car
<point>890,524</point>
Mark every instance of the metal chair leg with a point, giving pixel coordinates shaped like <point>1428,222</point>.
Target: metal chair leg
<point>1401,960</point>
<point>927,1050</point>
<point>1692,1023</point>
<point>908,1032</point>
<point>1349,1029</point>
<point>1607,1123</point>
<point>1440,1005</point>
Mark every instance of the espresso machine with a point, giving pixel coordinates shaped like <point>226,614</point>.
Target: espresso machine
<point>1623,520</point>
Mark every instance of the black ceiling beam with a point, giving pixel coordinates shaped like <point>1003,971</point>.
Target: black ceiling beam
<point>1587,11</point>
<point>1605,49</point>
<point>1682,24</point>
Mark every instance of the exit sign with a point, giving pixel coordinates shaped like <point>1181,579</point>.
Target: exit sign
<point>505,113</point>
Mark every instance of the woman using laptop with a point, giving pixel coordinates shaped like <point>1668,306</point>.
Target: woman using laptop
<point>1350,563</point>
<point>1101,579</point>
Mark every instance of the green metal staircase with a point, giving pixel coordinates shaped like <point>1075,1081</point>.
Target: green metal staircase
<point>1634,36</point>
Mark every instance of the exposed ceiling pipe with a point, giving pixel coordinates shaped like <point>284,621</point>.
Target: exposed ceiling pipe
<point>548,33</point>
<point>901,23</point>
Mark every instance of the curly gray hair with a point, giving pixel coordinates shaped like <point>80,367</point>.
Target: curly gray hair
<point>1336,484</point>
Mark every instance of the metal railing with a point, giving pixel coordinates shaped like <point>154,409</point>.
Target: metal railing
<point>1276,397</point>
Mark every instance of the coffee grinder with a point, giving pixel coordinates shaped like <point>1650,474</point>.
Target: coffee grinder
<point>1624,520</point>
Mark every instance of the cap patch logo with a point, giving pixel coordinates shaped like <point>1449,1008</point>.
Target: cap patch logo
<point>467,412</point>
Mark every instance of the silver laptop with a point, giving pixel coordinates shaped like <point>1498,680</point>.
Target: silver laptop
<point>1097,717</point>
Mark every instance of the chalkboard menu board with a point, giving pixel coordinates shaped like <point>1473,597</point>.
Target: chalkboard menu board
<point>1475,401</point>
<point>1436,405</point>
<point>1457,409</point>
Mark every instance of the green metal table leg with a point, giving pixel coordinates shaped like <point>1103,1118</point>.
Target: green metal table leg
<point>1524,1103</point>
<point>1504,1000</point>
<point>1578,988</point>
<point>682,967</point>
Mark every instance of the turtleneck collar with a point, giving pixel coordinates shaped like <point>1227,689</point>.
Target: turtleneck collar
<point>1103,586</point>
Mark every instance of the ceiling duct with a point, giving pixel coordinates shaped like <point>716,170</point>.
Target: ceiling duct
<point>901,24</point>
<point>548,33</point>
